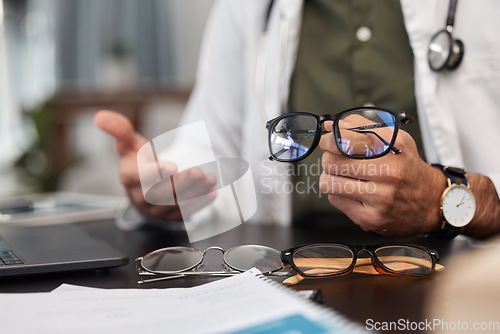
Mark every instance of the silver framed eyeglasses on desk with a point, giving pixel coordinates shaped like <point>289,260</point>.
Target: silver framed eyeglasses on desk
<point>180,261</point>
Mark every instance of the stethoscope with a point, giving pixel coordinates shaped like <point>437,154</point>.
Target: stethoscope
<point>444,51</point>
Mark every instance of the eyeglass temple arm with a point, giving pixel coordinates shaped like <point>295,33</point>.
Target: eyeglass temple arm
<point>407,118</point>
<point>363,269</point>
<point>206,274</point>
<point>361,129</point>
<point>359,269</point>
<point>187,274</point>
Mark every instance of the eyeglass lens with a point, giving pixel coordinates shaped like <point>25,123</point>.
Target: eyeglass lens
<point>325,260</point>
<point>172,259</point>
<point>293,136</point>
<point>361,133</point>
<point>246,257</point>
<point>405,260</point>
<point>177,259</point>
<point>365,133</point>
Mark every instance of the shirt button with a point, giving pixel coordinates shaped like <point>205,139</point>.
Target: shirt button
<point>363,34</point>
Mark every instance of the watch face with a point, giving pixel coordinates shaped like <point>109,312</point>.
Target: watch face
<point>458,205</point>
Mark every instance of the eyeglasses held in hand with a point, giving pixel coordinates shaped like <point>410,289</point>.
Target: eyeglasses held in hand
<point>177,262</point>
<point>331,259</point>
<point>360,133</point>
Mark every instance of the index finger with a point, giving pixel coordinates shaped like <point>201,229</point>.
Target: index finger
<point>327,144</point>
<point>120,127</point>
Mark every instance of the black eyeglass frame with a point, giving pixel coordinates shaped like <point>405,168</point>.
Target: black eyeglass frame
<point>399,117</point>
<point>287,258</point>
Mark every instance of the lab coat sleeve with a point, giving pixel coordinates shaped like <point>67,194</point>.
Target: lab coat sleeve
<point>217,98</point>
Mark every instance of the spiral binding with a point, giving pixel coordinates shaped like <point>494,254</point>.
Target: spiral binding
<point>325,314</point>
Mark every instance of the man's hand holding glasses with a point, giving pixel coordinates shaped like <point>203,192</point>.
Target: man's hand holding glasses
<point>371,169</point>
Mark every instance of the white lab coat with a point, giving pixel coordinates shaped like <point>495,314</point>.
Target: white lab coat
<point>458,110</point>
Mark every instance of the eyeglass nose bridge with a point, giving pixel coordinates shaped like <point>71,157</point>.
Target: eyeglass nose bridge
<point>375,263</point>
<point>327,117</point>
<point>200,266</point>
<point>213,247</point>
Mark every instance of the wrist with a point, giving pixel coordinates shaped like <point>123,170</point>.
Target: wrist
<point>486,221</point>
<point>438,185</point>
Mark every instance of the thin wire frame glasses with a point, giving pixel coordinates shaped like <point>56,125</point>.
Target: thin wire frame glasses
<point>332,259</point>
<point>179,261</point>
<point>359,133</point>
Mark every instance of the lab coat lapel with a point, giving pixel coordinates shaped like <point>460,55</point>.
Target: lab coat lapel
<point>424,18</point>
<point>282,42</point>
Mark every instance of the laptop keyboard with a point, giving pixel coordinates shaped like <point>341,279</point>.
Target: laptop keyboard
<point>7,256</point>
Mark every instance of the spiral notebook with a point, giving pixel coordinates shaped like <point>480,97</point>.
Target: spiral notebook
<point>241,304</point>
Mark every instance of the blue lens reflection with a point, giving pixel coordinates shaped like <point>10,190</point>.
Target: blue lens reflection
<point>366,133</point>
<point>288,147</point>
<point>293,136</point>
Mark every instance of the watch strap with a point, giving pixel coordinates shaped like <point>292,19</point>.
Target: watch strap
<point>454,175</point>
<point>447,231</point>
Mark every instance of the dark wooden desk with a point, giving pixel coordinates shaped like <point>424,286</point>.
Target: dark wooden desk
<point>359,297</point>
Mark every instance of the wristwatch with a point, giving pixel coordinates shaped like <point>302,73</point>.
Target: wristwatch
<point>458,204</point>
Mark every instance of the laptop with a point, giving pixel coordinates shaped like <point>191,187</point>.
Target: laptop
<point>28,250</point>
<point>57,207</point>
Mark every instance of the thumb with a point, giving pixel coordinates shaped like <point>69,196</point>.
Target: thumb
<point>328,126</point>
<point>121,129</point>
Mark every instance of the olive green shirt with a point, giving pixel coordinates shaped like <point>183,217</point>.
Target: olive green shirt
<point>351,53</point>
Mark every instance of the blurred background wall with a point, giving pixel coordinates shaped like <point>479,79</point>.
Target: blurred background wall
<point>62,60</point>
